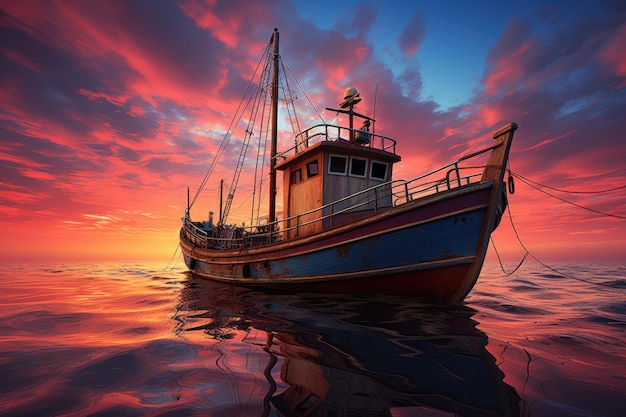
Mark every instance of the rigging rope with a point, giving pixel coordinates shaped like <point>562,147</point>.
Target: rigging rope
<point>260,94</point>
<point>537,187</point>
<point>493,245</point>
<point>304,93</point>
<point>254,99</point>
<point>227,136</point>
<point>527,251</point>
<point>170,266</point>
<point>257,103</point>
<point>293,118</point>
<point>568,191</point>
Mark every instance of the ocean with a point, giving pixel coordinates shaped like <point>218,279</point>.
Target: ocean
<point>118,339</point>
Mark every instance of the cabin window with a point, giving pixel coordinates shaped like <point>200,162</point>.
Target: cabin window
<point>358,167</point>
<point>296,176</point>
<point>312,169</point>
<point>379,170</point>
<point>338,164</point>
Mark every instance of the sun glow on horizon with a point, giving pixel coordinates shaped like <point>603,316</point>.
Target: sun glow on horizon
<point>110,111</point>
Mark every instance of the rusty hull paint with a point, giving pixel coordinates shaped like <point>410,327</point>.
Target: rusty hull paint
<point>437,266</point>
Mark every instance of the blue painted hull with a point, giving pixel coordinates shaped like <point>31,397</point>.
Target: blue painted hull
<point>453,237</point>
<point>432,250</point>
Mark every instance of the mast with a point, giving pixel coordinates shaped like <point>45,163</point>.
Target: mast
<point>272,204</point>
<point>221,201</point>
<point>187,209</point>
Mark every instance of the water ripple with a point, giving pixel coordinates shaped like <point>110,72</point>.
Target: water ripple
<point>132,339</point>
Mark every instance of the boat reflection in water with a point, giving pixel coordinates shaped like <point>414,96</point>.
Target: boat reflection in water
<point>365,356</point>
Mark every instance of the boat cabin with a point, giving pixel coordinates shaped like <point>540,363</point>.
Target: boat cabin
<point>329,164</point>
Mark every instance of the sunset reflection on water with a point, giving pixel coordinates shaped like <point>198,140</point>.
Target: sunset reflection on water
<point>136,340</point>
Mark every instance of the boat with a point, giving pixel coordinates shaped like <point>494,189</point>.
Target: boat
<point>347,226</point>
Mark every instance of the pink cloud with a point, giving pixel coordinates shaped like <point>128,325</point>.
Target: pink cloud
<point>110,111</point>
<point>550,140</point>
<point>614,53</point>
<point>412,35</point>
<point>508,69</point>
<point>223,27</point>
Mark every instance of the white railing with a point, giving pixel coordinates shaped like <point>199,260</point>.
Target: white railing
<point>334,133</point>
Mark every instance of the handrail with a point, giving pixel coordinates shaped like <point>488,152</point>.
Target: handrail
<point>333,133</point>
<point>397,191</point>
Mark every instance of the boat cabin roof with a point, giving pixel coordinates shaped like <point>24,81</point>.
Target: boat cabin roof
<point>379,147</point>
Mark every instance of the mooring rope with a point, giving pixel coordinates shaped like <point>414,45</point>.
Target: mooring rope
<point>529,253</point>
<point>539,187</point>
<point>170,266</point>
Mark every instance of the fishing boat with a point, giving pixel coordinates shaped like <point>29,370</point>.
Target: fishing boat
<point>347,226</point>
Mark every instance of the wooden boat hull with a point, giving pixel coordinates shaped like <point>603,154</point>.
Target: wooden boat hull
<point>432,249</point>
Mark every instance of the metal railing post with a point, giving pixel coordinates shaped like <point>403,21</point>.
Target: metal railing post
<point>375,199</point>
<point>297,225</point>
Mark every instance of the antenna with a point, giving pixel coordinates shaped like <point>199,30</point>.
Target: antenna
<point>374,114</point>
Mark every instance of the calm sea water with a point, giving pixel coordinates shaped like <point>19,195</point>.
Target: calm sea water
<point>135,340</point>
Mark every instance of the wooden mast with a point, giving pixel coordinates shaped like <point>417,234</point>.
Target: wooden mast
<point>272,204</point>
<point>221,201</point>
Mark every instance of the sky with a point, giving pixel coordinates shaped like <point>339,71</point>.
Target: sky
<point>109,110</point>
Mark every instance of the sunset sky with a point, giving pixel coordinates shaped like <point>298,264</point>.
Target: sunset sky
<point>109,110</point>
